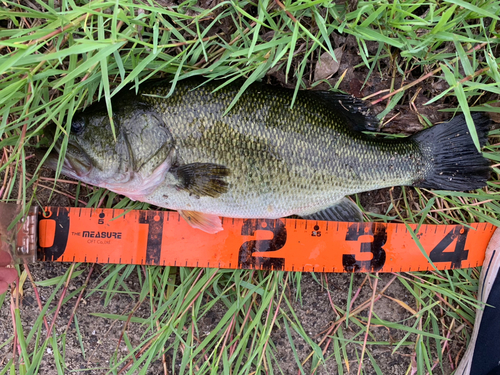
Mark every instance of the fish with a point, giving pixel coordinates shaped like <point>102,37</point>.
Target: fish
<point>263,158</point>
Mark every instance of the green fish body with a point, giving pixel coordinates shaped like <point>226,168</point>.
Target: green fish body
<point>262,159</point>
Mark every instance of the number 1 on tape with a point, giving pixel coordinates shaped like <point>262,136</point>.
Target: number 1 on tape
<point>163,238</point>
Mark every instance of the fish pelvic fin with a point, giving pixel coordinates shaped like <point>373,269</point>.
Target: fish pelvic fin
<point>452,161</point>
<point>343,210</point>
<point>206,222</point>
<point>202,179</point>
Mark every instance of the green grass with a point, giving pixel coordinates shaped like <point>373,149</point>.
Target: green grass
<point>59,56</point>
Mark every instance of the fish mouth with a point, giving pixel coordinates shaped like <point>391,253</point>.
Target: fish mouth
<point>72,166</point>
<point>75,162</point>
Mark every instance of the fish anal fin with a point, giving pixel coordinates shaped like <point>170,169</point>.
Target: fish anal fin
<point>343,210</point>
<point>202,179</point>
<point>206,222</point>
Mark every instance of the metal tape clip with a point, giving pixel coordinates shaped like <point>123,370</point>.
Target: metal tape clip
<point>21,240</point>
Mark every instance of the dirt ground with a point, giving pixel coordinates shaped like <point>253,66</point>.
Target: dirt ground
<point>100,336</point>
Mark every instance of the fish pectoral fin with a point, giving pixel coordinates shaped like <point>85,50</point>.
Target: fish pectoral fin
<point>206,222</point>
<point>343,210</point>
<point>202,179</point>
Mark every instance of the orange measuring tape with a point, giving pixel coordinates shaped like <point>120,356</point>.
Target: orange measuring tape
<point>164,238</point>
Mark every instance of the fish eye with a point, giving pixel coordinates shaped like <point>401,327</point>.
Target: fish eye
<point>77,125</point>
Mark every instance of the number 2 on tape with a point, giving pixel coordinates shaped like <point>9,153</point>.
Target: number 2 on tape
<point>245,257</point>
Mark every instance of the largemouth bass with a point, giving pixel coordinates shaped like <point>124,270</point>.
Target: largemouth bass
<point>262,159</point>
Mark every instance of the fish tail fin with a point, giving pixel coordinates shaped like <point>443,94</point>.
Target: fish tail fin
<point>455,163</point>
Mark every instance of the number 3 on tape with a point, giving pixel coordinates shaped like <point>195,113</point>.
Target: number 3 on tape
<point>378,234</point>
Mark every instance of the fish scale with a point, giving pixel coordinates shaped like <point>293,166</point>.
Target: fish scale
<point>296,158</point>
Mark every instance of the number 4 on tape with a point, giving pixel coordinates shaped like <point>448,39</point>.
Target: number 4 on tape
<point>455,257</point>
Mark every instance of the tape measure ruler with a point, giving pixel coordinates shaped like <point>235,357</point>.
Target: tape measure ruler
<point>164,238</point>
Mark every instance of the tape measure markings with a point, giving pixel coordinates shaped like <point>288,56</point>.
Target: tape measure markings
<point>162,238</point>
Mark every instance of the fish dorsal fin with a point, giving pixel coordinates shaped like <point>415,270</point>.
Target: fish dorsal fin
<point>343,210</point>
<point>206,222</point>
<point>352,109</point>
